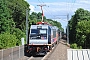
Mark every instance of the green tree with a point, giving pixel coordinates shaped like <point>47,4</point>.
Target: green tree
<point>7,40</point>
<point>55,23</point>
<point>78,26</point>
<point>6,21</point>
<point>19,34</point>
<point>36,17</point>
<point>83,32</point>
<point>80,15</point>
<point>18,12</point>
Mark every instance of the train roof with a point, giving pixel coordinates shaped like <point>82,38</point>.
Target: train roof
<point>43,25</point>
<point>54,27</point>
<point>39,26</point>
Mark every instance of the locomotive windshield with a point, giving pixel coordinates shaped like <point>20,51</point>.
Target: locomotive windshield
<point>38,34</point>
<point>42,31</point>
<point>34,31</point>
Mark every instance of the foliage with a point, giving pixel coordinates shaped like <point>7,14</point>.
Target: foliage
<point>18,12</point>
<point>6,22</point>
<point>79,28</point>
<point>54,23</point>
<point>12,20</point>
<point>74,46</point>
<point>83,32</point>
<point>19,34</point>
<point>7,40</point>
<point>36,17</point>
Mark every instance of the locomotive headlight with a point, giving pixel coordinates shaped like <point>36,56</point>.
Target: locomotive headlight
<point>38,36</point>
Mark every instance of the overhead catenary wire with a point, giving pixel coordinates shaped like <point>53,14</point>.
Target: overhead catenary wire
<point>70,6</point>
<point>48,10</point>
<point>42,11</point>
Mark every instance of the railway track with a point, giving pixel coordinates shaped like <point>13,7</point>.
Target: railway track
<point>42,57</point>
<point>36,58</point>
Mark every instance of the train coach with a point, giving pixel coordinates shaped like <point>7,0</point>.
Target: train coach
<point>42,38</point>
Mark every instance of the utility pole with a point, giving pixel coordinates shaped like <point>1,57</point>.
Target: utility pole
<point>42,11</point>
<point>27,25</point>
<point>67,29</point>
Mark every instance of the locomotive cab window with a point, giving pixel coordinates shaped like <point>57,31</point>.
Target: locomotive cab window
<point>43,31</point>
<point>34,31</point>
<point>38,34</point>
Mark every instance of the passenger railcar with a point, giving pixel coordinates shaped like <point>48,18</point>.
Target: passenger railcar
<point>42,38</point>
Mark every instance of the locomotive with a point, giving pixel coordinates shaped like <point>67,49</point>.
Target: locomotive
<point>42,38</point>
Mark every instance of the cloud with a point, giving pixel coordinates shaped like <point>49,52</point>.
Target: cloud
<point>32,8</point>
<point>63,8</point>
<point>60,8</point>
<point>83,1</point>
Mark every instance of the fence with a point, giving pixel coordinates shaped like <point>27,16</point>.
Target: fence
<point>78,54</point>
<point>12,53</point>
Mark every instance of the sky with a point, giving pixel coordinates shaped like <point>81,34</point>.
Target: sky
<point>59,9</point>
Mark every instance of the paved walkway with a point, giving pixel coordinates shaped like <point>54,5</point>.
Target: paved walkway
<point>60,52</point>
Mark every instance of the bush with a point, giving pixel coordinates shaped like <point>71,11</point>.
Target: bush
<point>74,46</point>
<point>19,34</point>
<point>7,40</point>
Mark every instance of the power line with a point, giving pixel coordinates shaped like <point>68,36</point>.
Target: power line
<point>70,7</point>
<point>42,10</point>
<point>47,9</point>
